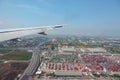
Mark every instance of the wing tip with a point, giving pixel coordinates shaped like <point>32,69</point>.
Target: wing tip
<point>59,26</point>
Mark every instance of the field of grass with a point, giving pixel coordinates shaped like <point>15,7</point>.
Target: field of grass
<point>1,72</point>
<point>17,55</point>
<point>4,51</point>
<point>113,50</point>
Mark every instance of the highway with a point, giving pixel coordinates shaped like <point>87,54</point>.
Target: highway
<point>33,65</point>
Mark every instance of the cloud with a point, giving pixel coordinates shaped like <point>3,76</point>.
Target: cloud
<point>30,8</point>
<point>7,24</point>
<point>26,6</point>
<point>1,22</point>
<point>45,2</point>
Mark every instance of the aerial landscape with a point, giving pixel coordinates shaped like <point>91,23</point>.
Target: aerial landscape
<point>59,40</point>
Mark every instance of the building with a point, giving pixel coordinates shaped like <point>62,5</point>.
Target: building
<point>68,73</point>
<point>96,50</point>
<point>93,51</point>
<point>70,50</point>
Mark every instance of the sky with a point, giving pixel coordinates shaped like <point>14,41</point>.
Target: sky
<point>79,17</point>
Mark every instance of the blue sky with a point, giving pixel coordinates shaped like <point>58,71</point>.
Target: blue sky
<point>81,17</point>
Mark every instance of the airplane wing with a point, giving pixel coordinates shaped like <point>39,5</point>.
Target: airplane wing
<point>17,33</point>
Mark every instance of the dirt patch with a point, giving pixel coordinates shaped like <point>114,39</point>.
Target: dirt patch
<point>10,71</point>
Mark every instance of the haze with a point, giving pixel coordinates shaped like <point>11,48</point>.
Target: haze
<point>83,17</point>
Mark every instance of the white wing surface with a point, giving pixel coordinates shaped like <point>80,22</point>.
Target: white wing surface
<point>17,33</point>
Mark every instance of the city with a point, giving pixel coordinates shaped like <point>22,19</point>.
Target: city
<point>56,57</point>
<point>59,39</point>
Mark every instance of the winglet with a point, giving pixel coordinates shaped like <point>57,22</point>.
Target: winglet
<point>58,26</point>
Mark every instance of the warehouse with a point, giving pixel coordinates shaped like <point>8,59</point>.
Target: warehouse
<point>68,73</point>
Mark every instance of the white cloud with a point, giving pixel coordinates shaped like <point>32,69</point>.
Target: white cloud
<point>1,22</point>
<point>7,24</point>
<point>45,2</point>
<point>26,6</point>
<point>30,8</point>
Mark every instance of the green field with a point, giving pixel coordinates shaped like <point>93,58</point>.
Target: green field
<point>113,50</point>
<point>17,55</point>
<point>4,51</point>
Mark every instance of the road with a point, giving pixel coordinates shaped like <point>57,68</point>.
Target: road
<point>33,65</point>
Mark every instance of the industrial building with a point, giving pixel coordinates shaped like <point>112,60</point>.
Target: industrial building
<point>66,69</point>
<point>68,73</point>
<point>68,50</point>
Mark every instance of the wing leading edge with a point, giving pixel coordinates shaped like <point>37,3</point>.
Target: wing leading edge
<point>17,33</point>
